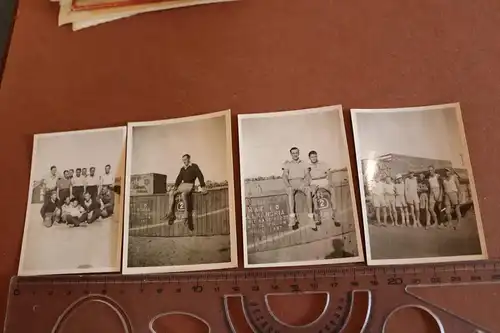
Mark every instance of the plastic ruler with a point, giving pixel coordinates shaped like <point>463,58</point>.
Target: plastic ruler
<point>358,299</point>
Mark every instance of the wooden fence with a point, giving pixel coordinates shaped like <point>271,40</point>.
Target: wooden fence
<point>210,215</point>
<point>267,220</point>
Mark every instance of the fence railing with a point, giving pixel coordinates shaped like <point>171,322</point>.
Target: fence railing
<point>267,220</point>
<point>210,215</point>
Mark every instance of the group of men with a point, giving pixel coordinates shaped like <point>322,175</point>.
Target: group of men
<point>307,177</point>
<point>77,197</point>
<point>414,196</point>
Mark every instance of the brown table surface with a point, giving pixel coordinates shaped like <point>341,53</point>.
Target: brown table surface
<point>250,56</point>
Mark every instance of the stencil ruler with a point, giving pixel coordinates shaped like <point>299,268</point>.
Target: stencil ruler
<point>357,299</point>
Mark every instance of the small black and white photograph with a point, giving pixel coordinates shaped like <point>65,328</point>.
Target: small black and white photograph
<point>179,201</point>
<point>418,195</point>
<point>74,214</point>
<point>297,193</point>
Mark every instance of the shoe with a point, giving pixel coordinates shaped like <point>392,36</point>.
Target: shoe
<point>335,222</point>
<point>170,217</point>
<point>315,229</point>
<point>292,221</point>
<point>295,226</point>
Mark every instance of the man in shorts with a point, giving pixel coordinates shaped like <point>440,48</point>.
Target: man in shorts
<point>390,199</point>
<point>184,185</point>
<point>423,195</point>
<point>435,194</point>
<point>412,198</point>
<point>451,188</point>
<point>319,172</point>
<point>378,199</point>
<point>296,177</point>
<point>401,200</point>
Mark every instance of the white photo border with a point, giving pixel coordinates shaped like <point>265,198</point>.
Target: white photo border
<point>468,165</point>
<point>110,269</point>
<point>359,245</point>
<point>232,215</point>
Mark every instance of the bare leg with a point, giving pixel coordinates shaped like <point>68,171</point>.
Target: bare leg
<point>291,205</point>
<point>377,214</point>
<point>411,208</point>
<point>384,214</point>
<point>432,210</point>
<point>333,202</point>
<point>459,214</point>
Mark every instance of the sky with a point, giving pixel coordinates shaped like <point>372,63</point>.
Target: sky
<point>80,149</point>
<point>431,133</point>
<point>265,141</point>
<point>159,148</point>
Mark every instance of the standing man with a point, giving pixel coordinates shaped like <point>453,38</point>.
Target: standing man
<point>78,185</point>
<point>49,183</point>
<point>423,192</point>
<point>390,199</point>
<point>71,173</point>
<point>435,194</point>
<point>412,198</point>
<point>400,200</point>
<point>378,199</point>
<point>93,183</point>
<point>297,178</point>
<point>319,172</point>
<point>184,185</point>
<point>107,179</point>
<point>84,172</point>
<point>64,187</point>
<point>50,210</point>
<point>451,188</point>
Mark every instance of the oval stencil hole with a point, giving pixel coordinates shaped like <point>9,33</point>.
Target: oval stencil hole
<point>420,319</point>
<point>297,309</point>
<point>179,323</point>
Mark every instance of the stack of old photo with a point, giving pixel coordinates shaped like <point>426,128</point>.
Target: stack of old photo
<point>87,13</point>
<point>159,196</point>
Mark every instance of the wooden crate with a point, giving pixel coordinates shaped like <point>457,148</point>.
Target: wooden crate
<point>148,184</point>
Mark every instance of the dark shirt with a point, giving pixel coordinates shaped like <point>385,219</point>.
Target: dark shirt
<point>90,205</point>
<point>63,183</point>
<point>49,207</point>
<point>189,175</point>
<point>108,199</point>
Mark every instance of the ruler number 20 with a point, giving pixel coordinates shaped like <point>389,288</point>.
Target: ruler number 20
<point>394,281</point>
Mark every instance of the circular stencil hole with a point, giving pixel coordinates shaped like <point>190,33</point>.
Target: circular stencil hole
<point>421,319</point>
<point>179,323</point>
<point>297,309</point>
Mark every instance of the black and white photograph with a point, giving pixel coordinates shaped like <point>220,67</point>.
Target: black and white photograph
<point>418,195</point>
<point>74,214</point>
<point>179,201</point>
<point>297,193</point>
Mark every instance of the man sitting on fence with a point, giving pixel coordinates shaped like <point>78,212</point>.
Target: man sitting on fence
<point>297,178</point>
<point>184,185</point>
<point>319,172</point>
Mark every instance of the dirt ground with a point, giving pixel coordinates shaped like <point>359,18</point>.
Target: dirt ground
<point>169,251</point>
<point>60,248</point>
<point>403,242</point>
<point>317,250</point>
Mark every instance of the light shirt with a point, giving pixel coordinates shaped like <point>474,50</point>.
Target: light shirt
<point>319,170</point>
<point>107,179</point>
<point>295,169</point>
<point>389,189</point>
<point>434,181</point>
<point>411,185</point>
<point>78,181</point>
<point>400,188</point>
<point>450,185</point>
<point>50,181</point>
<point>378,188</point>
<point>92,180</point>
<point>74,211</point>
